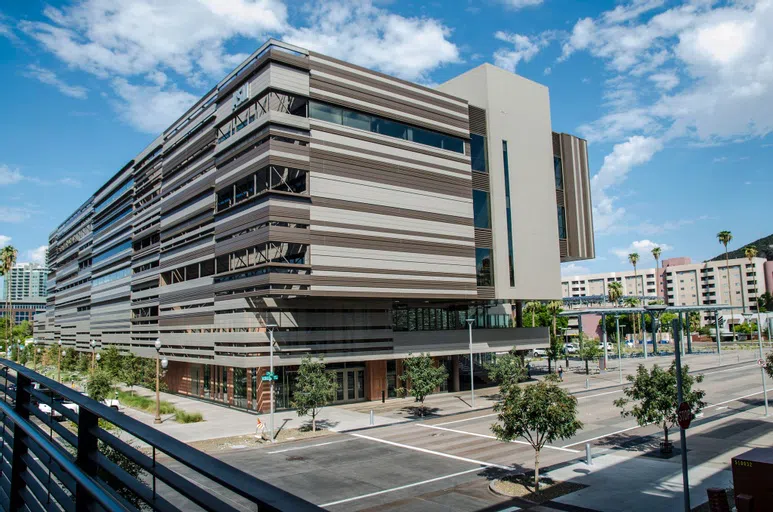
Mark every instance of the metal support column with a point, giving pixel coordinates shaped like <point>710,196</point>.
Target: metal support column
<point>654,337</point>
<point>87,456</point>
<point>762,357</point>
<point>20,450</point>
<point>643,336</point>
<point>719,336</point>
<point>682,435</point>
<point>619,349</point>
<point>604,337</point>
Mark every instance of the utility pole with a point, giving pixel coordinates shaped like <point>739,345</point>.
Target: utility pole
<point>619,353</point>
<point>271,383</point>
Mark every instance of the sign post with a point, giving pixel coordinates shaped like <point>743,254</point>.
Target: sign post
<point>684,414</point>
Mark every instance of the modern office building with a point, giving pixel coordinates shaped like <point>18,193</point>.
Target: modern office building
<point>357,216</point>
<point>682,283</point>
<point>24,310</point>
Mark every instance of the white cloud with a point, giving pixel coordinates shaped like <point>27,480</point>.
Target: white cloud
<point>37,255</point>
<point>363,34</point>
<point>665,80</point>
<point>70,182</point>
<point>523,49</point>
<point>4,240</point>
<point>9,176</point>
<point>14,215</point>
<point>573,269</point>
<point>149,108</point>
<point>48,77</point>
<point>127,38</point>
<point>520,4</point>
<point>642,247</point>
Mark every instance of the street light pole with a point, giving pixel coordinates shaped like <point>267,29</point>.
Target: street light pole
<point>604,335</point>
<point>157,419</point>
<point>59,364</point>
<point>93,355</point>
<point>719,336</point>
<point>472,367</point>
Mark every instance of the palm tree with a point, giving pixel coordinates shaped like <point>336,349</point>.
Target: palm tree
<point>724,238</point>
<point>751,252</point>
<point>532,307</point>
<point>7,261</point>
<point>633,259</point>
<point>656,254</point>
<point>615,291</point>
<point>632,302</point>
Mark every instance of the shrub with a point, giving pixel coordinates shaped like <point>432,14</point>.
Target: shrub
<point>144,403</point>
<point>187,417</point>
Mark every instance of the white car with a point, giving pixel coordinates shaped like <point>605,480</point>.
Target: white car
<point>609,347</point>
<point>629,344</point>
<point>56,415</point>
<point>570,348</point>
<point>539,352</point>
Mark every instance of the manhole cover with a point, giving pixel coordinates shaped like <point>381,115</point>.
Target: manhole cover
<point>293,458</point>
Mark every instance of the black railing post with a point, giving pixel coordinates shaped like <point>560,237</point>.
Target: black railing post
<point>18,466</point>
<point>88,455</point>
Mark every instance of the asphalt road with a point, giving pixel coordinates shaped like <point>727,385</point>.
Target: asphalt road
<point>445,463</point>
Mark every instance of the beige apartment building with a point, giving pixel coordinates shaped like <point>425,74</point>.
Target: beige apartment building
<point>683,283</point>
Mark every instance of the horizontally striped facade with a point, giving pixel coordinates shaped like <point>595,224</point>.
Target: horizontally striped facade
<point>573,197</point>
<point>324,199</point>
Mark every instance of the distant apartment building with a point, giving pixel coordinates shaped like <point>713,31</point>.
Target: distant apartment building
<point>682,283</point>
<point>358,216</point>
<point>28,280</point>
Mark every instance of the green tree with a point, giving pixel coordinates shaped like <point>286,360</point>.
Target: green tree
<point>424,377</point>
<point>653,396</point>
<point>7,261</point>
<point>132,370</point>
<point>84,362</point>
<point>724,238</point>
<point>70,360</point>
<point>314,388</point>
<point>507,370</point>
<point>532,307</point>
<point>615,292</point>
<point>554,351</point>
<point>111,361</point>
<point>765,302</point>
<point>541,413</point>
<point>129,466</point>
<point>589,351</point>
<point>99,385</point>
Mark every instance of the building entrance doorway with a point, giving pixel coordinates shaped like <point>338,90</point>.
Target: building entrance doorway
<point>350,384</point>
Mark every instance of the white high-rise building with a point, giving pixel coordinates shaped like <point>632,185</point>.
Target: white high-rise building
<point>28,280</point>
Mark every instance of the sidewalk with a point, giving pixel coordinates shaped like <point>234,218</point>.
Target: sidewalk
<point>222,421</point>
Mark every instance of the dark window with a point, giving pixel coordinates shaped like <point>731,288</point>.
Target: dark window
<point>484,267</point>
<point>507,211</point>
<point>356,120</point>
<point>480,207</point>
<point>561,222</point>
<point>343,116</point>
<point>559,172</point>
<point>325,112</point>
<point>478,153</point>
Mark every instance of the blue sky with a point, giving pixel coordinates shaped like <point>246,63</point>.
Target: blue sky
<point>675,98</point>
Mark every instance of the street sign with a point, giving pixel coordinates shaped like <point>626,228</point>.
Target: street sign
<point>684,415</point>
<point>269,377</point>
<point>265,378</point>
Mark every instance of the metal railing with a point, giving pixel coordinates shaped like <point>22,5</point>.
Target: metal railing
<point>61,450</point>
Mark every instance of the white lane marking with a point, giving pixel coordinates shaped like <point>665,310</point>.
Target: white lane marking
<point>600,394</point>
<point>698,416</point>
<point>465,419</point>
<point>601,437</point>
<point>393,489</point>
<point>440,454</point>
<point>734,399</point>
<point>491,437</point>
<point>728,370</point>
<point>309,446</point>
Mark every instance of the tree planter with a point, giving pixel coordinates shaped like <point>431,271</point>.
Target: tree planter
<point>666,447</point>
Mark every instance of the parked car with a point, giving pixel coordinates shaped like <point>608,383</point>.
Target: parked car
<point>629,344</point>
<point>539,352</point>
<point>609,346</point>
<point>570,348</point>
<point>56,415</point>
